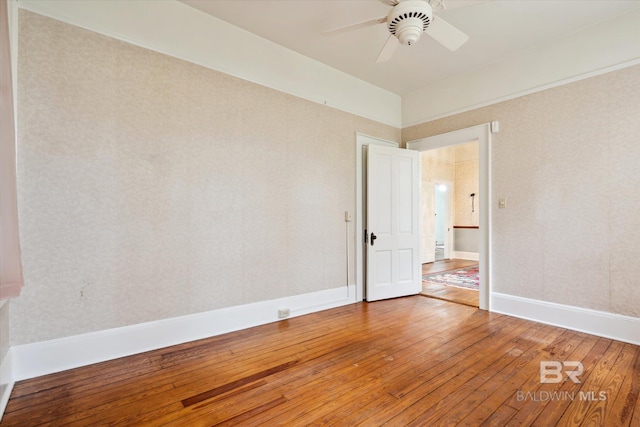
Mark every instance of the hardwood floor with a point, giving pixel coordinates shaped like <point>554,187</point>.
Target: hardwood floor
<point>411,361</point>
<point>449,293</point>
<point>446,265</point>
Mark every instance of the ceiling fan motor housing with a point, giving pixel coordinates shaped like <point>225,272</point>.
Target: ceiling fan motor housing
<point>409,19</point>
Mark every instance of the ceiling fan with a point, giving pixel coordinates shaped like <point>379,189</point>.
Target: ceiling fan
<point>406,22</point>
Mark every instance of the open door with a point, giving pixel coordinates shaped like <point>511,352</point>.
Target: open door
<point>428,229</point>
<point>393,223</point>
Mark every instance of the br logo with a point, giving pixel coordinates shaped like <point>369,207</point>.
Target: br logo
<point>553,372</point>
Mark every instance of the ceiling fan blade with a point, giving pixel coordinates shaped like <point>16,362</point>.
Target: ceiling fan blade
<point>390,2</point>
<point>446,34</point>
<point>355,26</point>
<point>387,50</point>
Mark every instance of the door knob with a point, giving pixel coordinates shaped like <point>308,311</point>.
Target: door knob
<point>373,238</point>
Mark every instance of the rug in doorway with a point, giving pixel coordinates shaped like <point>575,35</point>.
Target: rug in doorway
<point>467,278</point>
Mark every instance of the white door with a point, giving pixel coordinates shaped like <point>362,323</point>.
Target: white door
<point>448,244</point>
<point>393,227</point>
<point>427,212</point>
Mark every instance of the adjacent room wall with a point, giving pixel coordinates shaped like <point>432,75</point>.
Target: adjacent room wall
<point>150,187</point>
<point>467,182</point>
<point>438,165</point>
<point>467,240</point>
<point>566,159</point>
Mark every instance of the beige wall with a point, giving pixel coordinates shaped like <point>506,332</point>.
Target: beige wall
<point>466,183</point>
<point>567,161</point>
<point>459,166</point>
<point>4,330</point>
<point>438,165</point>
<point>150,187</point>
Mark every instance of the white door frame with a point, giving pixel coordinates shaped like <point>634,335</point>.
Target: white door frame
<point>482,134</point>
<point>361,141</point>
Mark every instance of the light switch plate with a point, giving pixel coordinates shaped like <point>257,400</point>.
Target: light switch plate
<point>502,203</point>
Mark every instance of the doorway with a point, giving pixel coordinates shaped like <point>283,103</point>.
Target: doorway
<point>441,274</point>
<point>449,176</point>
<point>441,213</point>
<point>482,135</point>
<point>436,214</point>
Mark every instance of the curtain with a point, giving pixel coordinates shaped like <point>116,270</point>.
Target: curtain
<point>11,279</point>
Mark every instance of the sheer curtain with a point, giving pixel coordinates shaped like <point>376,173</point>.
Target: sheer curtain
<point>11,279</point>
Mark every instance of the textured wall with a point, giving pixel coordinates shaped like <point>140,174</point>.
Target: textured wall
<point>466,240</point>
<point>567,160</point>
<point>4,330</point>
<point>5,374</point>
<point>467,182</point>
<point>459,166</point>
<point>151,187</point>
<point>438,165</point>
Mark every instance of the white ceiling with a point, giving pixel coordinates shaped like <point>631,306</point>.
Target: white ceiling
<point>498,30</point>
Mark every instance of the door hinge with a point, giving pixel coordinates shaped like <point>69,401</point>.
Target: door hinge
<point>366,237</point>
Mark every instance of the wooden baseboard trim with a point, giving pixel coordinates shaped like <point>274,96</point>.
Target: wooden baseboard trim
<point>47,357</point>
<point>599,323</point>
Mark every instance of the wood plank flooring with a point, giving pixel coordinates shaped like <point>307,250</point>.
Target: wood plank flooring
<point>449,293</point>
<point>410,361</point>
<point>446,265</point>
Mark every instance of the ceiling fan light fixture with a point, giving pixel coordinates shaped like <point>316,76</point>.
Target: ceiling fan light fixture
<point>409,32</point>
<point>409,19</point>
<point>406,22</point>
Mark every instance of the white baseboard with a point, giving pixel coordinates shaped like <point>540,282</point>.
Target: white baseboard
<point>600,323</point>
<point>6,381</point>
<point>471,256</point>
<point>46,357</point>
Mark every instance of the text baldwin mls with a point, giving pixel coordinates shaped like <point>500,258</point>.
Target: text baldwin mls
<point>548,396</point>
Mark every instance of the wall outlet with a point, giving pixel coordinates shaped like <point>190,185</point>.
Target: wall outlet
<point>283,313</point>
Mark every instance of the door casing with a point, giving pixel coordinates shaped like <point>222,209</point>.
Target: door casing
<point>482,134</point>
